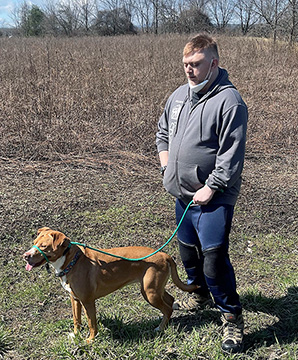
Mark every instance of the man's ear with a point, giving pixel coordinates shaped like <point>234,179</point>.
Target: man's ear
<point>214,63</point>
<point>42,229</point>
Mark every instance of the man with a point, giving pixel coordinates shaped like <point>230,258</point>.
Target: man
<point>201,144</point>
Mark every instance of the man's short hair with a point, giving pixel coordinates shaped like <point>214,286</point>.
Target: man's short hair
<point>201,42</point>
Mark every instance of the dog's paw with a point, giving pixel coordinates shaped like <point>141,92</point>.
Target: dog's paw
<point>71,336</point>
<point>90,341</point>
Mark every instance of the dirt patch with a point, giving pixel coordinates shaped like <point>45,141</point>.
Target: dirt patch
<point>57,193</point>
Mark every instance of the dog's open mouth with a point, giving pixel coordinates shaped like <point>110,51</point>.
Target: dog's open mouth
<point>29,266</point>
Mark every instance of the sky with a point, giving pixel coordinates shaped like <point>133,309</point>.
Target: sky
<point>7,7</point>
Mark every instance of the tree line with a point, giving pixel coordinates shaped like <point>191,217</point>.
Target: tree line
<point>270,18</point>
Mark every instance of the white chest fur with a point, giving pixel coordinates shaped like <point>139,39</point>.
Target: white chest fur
<point>65,284</point>
<point>58,268</point>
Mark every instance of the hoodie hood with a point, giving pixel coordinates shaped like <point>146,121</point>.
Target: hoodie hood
<point>220,83</point>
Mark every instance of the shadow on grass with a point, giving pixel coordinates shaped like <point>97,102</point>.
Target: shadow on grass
<point>128,331</point>
<point>189,321</point>
<point>285,329</point>
<point>144,329</point>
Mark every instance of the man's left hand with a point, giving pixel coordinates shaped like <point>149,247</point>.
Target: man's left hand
<point>203,195</point>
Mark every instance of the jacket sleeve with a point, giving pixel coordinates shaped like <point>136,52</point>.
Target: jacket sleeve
<point>162,135</point>
<point>230,155</point>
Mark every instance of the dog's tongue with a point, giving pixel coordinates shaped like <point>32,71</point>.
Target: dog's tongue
<point>29,267</point>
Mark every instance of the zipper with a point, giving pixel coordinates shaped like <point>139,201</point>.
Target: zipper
<point>179,144</point>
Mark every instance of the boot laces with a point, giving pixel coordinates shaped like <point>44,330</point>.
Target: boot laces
<point>233,330</point>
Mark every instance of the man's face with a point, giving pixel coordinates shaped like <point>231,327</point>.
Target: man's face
<point>197,65</point>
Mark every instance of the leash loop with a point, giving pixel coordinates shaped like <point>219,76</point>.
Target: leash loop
<point>145,257</point>
<point>85,246</point>
<point>42,253</point>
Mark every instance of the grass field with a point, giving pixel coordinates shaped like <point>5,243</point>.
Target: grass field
<point>78,120</point>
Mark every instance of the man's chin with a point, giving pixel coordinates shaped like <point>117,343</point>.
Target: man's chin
<point>192,82</point>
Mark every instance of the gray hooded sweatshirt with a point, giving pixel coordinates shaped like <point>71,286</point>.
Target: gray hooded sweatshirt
<point>206,142</point>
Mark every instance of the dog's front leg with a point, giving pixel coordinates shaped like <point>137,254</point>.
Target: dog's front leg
<point>77,314</point>
<point>90,311</point>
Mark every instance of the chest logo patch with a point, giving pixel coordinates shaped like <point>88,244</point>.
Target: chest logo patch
<point>176,111</point>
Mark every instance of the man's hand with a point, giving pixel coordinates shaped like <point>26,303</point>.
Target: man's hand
<point>163,157</point>
<point>203,195</point>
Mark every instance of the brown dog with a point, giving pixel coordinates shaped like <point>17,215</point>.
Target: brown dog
<point>89,275</point>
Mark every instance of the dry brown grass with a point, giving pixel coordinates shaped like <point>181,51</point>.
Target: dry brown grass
<point>266,75</point>
<point>78,96</point>
<point>89,95</point>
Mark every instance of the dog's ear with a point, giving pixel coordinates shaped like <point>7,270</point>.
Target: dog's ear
<point>42,229</point>
<point>59,239</point>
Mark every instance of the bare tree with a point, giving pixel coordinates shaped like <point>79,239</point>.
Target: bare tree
<point>272,12</point>
<point>169,16</point>
<point>196,4</point>
<point>193,20</point>
<point>113,17</point>
<point>143,13</point>
<point>87,11</point>
<point>245,12</point>
<point>156,4</point>
<point>149,13</point>
<point>63,16</point>
<point>221,12</point>
<point>114,22</point>
<point>19,13</point>
<point>293,15</point>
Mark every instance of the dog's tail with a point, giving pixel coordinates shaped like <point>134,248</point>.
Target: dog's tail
<point>176,280</point>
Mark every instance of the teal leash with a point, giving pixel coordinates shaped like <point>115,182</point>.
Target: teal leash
<point>42,253</point>
<point>142,258</point>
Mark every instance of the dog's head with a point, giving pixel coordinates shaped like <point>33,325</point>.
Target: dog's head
<point>48,245</point>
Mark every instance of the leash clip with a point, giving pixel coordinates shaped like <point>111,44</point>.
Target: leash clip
<point>48,268</point>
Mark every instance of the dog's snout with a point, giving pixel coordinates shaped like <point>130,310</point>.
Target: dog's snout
<point>26,255</point>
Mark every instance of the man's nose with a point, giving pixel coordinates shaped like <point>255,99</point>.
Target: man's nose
<point>188,68</point>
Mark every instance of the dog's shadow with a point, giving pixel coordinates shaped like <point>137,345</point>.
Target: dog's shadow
<point>283,326</point>
<point>125,331</point>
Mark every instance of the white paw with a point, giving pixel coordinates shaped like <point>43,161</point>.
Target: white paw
<point>71,336</point>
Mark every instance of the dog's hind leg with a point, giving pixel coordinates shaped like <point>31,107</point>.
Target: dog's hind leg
<point>153,292</point>
<point>168,298</point>
<point>76,313</point>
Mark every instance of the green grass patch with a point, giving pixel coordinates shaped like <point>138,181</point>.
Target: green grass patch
<point>6,341</point>
<point>38,310</point>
